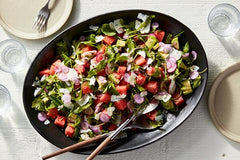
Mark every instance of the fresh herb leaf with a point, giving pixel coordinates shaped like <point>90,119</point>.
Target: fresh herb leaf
<point>107,30</point>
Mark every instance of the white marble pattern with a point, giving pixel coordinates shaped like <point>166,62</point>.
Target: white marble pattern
<point>195,139</point>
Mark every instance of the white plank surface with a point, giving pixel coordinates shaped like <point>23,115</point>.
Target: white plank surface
<point>196,139</point>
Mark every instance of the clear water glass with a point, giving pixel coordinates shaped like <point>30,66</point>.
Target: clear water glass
<point>5,101</point>
<point>13,56</point>
<point>224,20</point>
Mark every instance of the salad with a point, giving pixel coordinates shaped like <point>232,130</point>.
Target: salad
<point>111,72</point>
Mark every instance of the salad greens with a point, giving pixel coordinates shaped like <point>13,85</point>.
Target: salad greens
<point>111,72</point>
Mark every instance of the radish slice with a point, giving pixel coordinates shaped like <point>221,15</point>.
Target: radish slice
<point>66,98</point>
<point>130,106</point>
<point>84,125</point>
<point>63,77</point>
<point>42,116</point>
<point>185,55</point>
<point>95,129</point>
<point>194,75</point>
<point>138,99</point>
<point>171,64</point>
<point>172,86</point>
<point>125,36</point>
<point>104,117</point>
<point>98,107</point>
<point>126,77</point>
<point>82,38</point>
<point>155,25</point>
<point>194,55</point>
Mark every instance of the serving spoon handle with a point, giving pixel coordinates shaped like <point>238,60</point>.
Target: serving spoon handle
<point>73,147</point>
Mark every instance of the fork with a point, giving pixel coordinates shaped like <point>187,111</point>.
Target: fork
<point>40,22</point>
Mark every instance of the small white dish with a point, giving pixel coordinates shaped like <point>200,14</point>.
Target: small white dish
<point>224,102</point>
<point>17,17</point>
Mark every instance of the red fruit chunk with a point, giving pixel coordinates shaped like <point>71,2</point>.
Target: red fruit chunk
<point>99,57</point>
<point>122,89</point>
<point>105,98</point>
<point>150,70</point>
<point>45,72</point>
<point>152,115</point>
<point>87,48</point>
<point>53,66</point>
<point>60,121</point>
<point>140,60</point>
<point>86,88</point>
<point>80,69</point>
<point>160,35</point>
<point>102,50</point>
<point>178,99</point>
<point>69,131</point>
<point>121,70</point>
<point>109,40</point>
<point>53,112</point>
<point>112,127</point>
<point>152,87</point>
<point>121,104</point>
<point>141,79</point>
<point>102,73</point>
<point>117,75</point>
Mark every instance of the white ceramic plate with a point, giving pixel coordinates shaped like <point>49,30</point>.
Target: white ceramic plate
<point>17,17</point>
<point>224,102</point>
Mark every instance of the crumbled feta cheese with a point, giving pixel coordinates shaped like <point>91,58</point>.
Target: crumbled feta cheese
<point>92,81</point>
<point>194,68</point>
<point>111,25</point>
<point>176,54</point>
<point>63,90</point>
<point>85,136</point>
<point>93,96</point>
<point>159,118</point>
<point>36,91</point>
<point>118,25</point>
<point>143,93</point>
<point>142,53</point>
<point>97,116</point>
<point>110,110</point>
<point>166,97</point>
<point>99,38</point>
<point>115,98</point>
<point>72,74</point>
<point>79,62</point>
<point>74,51</point>
<point>46,122</point>
<point>143,17</point>
<point>84,100</point>
<point>137,24</point>
<point>43,78</point>
<point>85,131</point>
<point>146,29</point>
<point>95,28</point>
<point>149,61</point>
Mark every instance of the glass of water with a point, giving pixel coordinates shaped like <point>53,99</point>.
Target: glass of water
<point>5,101</point>
<point>13,56</point>
<point>224,20</point>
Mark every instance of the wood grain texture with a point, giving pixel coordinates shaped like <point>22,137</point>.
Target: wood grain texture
<point>195,139</point>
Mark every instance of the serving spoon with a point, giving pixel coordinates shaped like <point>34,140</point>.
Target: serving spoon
<point>137,122</point>
<point>143,110</point>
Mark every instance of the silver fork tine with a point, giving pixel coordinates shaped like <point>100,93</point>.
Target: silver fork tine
<point>41,19</point>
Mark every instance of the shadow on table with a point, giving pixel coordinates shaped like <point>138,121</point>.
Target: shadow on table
<point>236,145</point>
<point>232,44</point>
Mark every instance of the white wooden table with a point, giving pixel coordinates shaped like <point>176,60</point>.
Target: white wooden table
<point>195,139</point>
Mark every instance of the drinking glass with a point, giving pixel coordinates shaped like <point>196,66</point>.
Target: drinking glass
<point>224,20</point>
<point>13,56</point>
<point>5,101</point>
